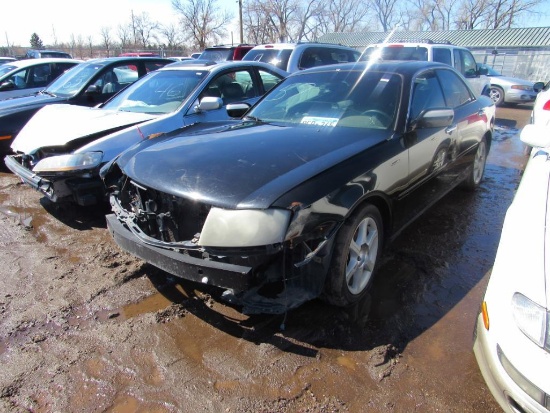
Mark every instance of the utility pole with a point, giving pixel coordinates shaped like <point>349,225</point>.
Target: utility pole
<point>241,20</point>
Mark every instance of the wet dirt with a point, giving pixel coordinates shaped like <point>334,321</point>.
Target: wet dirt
<point>85,327</point>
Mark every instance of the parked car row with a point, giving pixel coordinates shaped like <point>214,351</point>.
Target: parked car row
<point>61,149</point>
<point>276,188</point>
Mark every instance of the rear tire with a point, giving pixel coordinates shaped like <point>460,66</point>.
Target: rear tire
<point>357,249</point>
<point>478,166</point>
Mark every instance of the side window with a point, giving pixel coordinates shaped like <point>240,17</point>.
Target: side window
<point>456,92</point>
<point>269,80</point>
<point>20,79</point>
<point>308,59</point>
<point>426,94</point>
<point>468,64</point>
<point>150,66</point>
<point>442,55</point>
<point>116,78</point>
<point>465,63</point>
<point>231,87</point>
<point>42,75</point>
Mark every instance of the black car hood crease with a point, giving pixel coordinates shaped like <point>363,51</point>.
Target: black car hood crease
<point>248,166</point>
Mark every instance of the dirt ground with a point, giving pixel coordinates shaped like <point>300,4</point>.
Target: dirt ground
<point>85,327</point>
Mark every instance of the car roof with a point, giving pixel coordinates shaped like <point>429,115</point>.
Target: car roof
<point>405,67</point>
<point>33,62</point>
<point>413,43</point>
<point>107,60</point>
<point>198,64</point>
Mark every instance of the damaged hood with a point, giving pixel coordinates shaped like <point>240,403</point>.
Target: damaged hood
<point>249,165</point>
<point>57,125</point>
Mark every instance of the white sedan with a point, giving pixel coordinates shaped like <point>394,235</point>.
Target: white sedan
<point>512,335</point>
<point>541,108</point>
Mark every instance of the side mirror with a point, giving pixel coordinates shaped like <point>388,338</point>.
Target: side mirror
<point>209,103</point>
<point>434,118</point>
<point>536,135</point>
<point>483,71</point>
<point>93,90</point>
<point>538,86</point>
<point>9,85</point>
<point>237,110</point>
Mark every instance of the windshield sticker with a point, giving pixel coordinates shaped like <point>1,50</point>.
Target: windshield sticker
<point>319,121</point>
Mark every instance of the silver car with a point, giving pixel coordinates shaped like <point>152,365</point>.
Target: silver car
<point>509,90</point>
<point>25,77</point>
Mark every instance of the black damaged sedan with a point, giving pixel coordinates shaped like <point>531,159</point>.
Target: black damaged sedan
<point>298,198</point>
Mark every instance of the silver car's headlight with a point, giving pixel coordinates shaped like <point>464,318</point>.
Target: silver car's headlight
<point>244,228</point>
<point>522,87</point>
<point>532,320</point>
<point>72,162</point>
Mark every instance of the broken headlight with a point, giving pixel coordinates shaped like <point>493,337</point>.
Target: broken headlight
<point>244,228</point>
<point>71,162</point>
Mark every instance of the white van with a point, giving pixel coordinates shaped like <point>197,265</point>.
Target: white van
<point>456,56</point>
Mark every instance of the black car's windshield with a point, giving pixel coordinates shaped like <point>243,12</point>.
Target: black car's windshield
<point>334,99</point>
<point>159,92</point>
<point>276,57</point>
<point>72,81</point>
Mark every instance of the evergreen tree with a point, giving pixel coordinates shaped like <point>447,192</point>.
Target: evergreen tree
<point>36,42</point>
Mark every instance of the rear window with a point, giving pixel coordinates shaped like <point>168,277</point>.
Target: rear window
<point>397,52</point>
<point>219,55</point>
<point>276,57</point>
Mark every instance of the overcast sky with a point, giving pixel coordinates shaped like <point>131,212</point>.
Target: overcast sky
<point>18,21</point>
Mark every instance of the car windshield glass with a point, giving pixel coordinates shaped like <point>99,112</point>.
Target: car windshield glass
<point>333,99</point>
<point>5,68</point>
<point>159,92</point>
<point>72,81</point>
<point>276,57</point>
<point>397,52</point>
<point>220,55</point>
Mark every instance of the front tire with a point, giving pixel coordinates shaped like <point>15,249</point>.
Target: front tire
<point>496,93</point>
<point>478,166</point>
<point>357,249</point>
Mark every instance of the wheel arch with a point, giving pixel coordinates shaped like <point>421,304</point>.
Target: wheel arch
<point>383,204</point>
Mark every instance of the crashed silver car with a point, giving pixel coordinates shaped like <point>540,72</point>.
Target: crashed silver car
<point>62,148</point>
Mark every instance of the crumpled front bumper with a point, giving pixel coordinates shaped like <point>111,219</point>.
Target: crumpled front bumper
<point>224,275</point>
<point>83,191</point>
<point>29,177</point>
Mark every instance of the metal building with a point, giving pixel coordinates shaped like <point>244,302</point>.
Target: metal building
<point>517,52</point>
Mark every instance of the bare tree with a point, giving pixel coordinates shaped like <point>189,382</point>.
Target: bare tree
<point>343,16</point>
<point>145,29</point>
<point>124,33</point>
<point>172,35</point>
<point>387,13</point>
<point>473,14</point>
<point>90,41</point>
<point>505,13</point>
<point>106,40</point>
<point>202,20</point>
<point>256,29</point>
